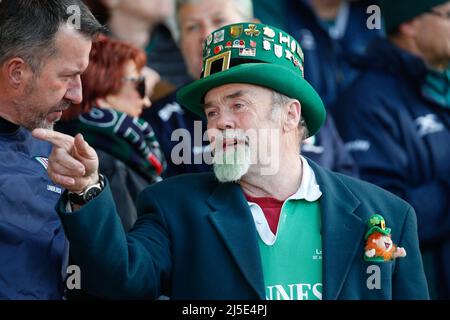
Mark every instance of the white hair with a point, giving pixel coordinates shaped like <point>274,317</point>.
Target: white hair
<point>278,101</point>
<point>244,7</point>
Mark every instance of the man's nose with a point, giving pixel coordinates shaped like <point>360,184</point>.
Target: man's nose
<point>225,121</point>
<point>75,91</point>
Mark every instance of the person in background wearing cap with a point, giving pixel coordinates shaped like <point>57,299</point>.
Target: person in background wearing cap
<point>333,34</point>
<point>195,20</point>
<point>267,224</point>
<point>395,119</point>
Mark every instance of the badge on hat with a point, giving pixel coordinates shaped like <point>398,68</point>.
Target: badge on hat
<point>379,246</point>
<point>252,31</point>
<point>236,31</point>
<point>256,54</point>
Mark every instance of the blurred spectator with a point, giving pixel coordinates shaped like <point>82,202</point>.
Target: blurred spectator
<point>332,33</point>
<point>396,122</point>
<point>114,95</point>
<point>140,22</point>
<point>131,21</point>
<point>195,20</point>
<point>166,58</point>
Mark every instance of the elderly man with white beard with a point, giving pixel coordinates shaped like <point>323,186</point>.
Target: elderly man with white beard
<point>267,224</point>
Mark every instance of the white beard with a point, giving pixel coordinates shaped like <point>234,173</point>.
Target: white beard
<point>233,163</point>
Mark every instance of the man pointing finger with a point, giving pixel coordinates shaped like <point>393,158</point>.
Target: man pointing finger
<point>73,164</point>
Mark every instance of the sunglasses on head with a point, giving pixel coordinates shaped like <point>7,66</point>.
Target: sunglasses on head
<point>140,85</point>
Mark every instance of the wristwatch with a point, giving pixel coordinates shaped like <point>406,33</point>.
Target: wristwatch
<point>89,193</point>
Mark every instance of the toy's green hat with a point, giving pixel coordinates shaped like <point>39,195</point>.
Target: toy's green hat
<point>255,54</point>
<point>377,224</point>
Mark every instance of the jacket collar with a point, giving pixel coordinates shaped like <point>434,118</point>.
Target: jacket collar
<point>309,190</point>
<point>233,220</point>
<point>7,127</point>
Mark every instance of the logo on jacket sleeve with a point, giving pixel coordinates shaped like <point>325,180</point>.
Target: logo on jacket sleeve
<point>428,124</point>
<point>42,161</point>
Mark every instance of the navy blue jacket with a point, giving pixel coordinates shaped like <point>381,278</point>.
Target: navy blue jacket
<point>195,238</point>
<point>33,247</point>
<point>400,140</point>
<point>326,147</point>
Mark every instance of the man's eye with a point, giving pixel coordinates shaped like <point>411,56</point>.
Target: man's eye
<point>219,22</point>
<point>191,28</point>
<point>211,114</point>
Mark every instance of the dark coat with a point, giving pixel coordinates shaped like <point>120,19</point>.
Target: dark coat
<point>195,238</point>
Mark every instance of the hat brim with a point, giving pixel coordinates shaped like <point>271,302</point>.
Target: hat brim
<point>385,232</point>
<point>271,76</point>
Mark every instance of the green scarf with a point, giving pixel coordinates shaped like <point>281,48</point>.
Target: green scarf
<point>436,87</point>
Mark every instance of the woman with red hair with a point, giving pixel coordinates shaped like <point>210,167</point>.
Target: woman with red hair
<point>114,95</point>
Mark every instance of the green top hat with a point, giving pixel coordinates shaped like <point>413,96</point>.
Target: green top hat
<point>377,224</point>
<point>255,54</point>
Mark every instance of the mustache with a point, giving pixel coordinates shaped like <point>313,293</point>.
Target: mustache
<point>219,141</point>
<point>62,106</point>
<point>229,135</point>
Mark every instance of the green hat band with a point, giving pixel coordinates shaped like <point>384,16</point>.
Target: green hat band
<point>247,43</point>
<point>256,54</point>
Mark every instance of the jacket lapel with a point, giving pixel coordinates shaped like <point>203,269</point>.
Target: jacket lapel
<point>342,231</point>
<point>233,221</point>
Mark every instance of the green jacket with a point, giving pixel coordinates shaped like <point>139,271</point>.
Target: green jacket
<point>195,238</point>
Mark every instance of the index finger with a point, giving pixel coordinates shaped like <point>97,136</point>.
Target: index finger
<point>56,138</point>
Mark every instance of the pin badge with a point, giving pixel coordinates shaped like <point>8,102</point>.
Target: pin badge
<point>236,31</point>
<point>268,32</point>
<point>247,52</point>
<point>219,36</point>
<point>278,50</point>
<point>252,31</point>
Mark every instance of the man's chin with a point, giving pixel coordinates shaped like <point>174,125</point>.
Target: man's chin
<point>230,172</point>
<point>43,125</point>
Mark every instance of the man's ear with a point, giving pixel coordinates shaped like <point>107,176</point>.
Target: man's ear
<point>17,72</point>
<point>293,115</point>
<point>408,28</point>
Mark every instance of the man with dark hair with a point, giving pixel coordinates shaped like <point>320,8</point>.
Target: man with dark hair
<point>44,47</point>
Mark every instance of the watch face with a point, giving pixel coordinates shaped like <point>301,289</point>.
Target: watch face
<point>92,193</point>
